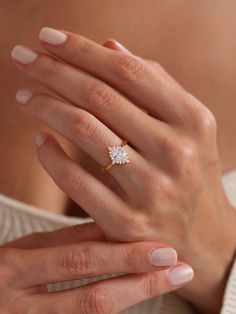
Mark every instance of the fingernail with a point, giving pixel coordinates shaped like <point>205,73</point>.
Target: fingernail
<point>40,139</point>
<point>163,257</point>
<point>52,36</point>
<point>180,275</point>
<point>119,46</point>
<point>23,55</point>
<point>23,95</point>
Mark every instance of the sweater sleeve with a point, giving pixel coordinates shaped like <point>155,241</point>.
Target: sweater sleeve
<point>229,302</point>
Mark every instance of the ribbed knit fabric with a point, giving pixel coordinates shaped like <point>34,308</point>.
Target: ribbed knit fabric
<point>18,219</point>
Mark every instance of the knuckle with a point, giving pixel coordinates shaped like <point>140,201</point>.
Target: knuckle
<point>98,301</point>
<point>84,127</point>
<point>100,95</point>
<point>85,44</point>
<point>130,67</point>
<point>177,149</point>
<point>167,146</point>
<point>78,46</point>
<point>69,182</point>
<point>77,262</point>
<point>186,161</point>
<point>186,164</point>
<point>139,228</point>
<point>186,153</point>
<point>207,121</point>
<point>204,121</point>
<point>152,285</point>
<point>132,259</point>
<point>47,67</point>
<point>184,156</point>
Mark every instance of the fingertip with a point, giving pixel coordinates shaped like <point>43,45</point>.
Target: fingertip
<point>40,139</point>
<point>163,257</point>
<point>115,45</point>
<point>23,96</point>
<point>180,274</point>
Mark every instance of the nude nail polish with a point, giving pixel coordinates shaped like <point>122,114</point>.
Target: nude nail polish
<point>23,55</point>
<point>23,95</point>
<point>118,45</point>
<point>52,36</point>
<point>40,139</point>
<point>163,257</point>
<point>180,275</point>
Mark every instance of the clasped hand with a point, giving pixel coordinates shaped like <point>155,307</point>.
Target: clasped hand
<point>171,190</point>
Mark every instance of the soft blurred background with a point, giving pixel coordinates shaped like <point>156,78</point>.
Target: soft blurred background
<point>193,40</point>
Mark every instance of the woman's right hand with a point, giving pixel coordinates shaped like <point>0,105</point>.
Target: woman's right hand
<point>144,270</point>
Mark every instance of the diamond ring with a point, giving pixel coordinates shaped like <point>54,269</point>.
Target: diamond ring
<point>118,155</point>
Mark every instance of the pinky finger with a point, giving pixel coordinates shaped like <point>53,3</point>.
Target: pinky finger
<point>86,190</point>
<point>116,294</point>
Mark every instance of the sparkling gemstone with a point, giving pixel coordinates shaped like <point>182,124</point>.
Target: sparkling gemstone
<point>118,155</point>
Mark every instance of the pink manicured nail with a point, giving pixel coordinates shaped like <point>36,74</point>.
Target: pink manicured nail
<point>23,95</point>
<point>23,55</point>
<point>163,257</point>
<point>40,139</point>
<point>180,275</point>
<point>52,36</point>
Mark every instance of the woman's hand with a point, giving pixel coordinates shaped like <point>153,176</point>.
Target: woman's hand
<point>172,189</point>
<point>27,265</point>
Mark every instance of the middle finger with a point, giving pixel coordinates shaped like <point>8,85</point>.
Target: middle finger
<point>90,93</point>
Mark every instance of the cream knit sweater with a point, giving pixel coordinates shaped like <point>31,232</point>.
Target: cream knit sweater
<point>18,219</point>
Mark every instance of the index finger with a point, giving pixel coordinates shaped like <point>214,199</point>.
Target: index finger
<point>84,260</point>
<point>126,72</point>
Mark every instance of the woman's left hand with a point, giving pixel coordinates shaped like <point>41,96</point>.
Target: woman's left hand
<point>172,188</point>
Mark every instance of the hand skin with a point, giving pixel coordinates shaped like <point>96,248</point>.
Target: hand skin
<point>30,263</point>
<point>112,44</point>
<point>172,146</point>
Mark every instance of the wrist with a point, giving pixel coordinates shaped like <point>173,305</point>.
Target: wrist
<point>212,261</point>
